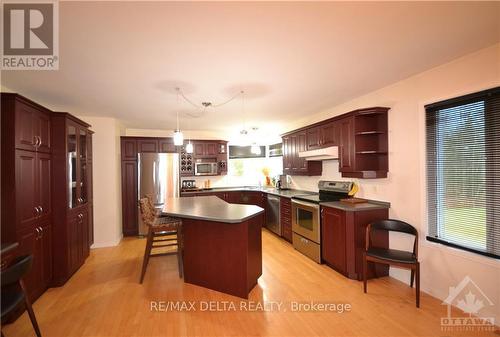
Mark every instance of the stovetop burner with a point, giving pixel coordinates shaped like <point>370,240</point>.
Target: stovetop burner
<point>328,191</point>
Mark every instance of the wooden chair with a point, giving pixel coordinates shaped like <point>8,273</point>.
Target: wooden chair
<point>13,291</point>
<point>162,232</point>
<point>399,258</point>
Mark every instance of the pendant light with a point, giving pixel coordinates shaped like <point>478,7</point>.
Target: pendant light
<point>189,147</point>
<point>178,136</point>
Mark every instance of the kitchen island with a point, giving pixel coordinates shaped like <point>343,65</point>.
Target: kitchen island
<point>222,243</point>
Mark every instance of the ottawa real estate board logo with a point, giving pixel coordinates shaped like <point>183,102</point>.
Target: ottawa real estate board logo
<point>470,300</point>
<point>30,35</point>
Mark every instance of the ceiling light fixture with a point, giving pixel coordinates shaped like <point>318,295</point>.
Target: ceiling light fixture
<point>189,147</point>
<point>178,136</point>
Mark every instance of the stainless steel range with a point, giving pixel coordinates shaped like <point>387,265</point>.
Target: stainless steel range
<point>306,222</point>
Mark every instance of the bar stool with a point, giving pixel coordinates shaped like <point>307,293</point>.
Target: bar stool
<point>163,232</point>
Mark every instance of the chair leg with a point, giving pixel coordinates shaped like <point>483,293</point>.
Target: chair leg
<point>364,272</point>
<point>147,252</point>
<point>417,283</point>
<point>412,277</point>
<point>29,308</point>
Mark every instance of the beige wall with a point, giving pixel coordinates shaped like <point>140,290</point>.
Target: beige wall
<point>106,180</point>
<point>442,267</point>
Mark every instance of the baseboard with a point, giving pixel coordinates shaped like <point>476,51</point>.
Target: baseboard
<point>107,244</point>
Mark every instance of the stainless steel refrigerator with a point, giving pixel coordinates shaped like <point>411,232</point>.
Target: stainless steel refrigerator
<point>158,175</point>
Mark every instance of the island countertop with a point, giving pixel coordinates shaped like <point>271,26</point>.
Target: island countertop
<point>209,208</point>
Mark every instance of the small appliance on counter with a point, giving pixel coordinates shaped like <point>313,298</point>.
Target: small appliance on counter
<point>188,185</point>
<point>306,222</point>
<point>283,182</point>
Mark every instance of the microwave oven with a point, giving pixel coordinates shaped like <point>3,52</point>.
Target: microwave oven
<point>205,169</point>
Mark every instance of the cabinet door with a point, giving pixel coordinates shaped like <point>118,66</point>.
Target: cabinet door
<point>147,145</point>
<point>346,145</point>
<point>72,137</point>
<point>300,146</point>
<point>334,237</point>
<point>313,138</point>
<point>73,246</point>
<point>199,149</point>
<point>329,135</point>
<point>287,159</point>
<point>129,149</point>
<point>26,188</point>
<point>29,245</point>
<point>44,185</point>
<point>166,145</point>
<point>26,125</point>
<point>84,234</point>
<point>129,198</point>
<point>42,130</point>
<point>211,149</point>
<point>45,241</point>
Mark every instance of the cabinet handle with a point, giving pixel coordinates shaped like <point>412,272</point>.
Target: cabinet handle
<point>41,232</point>
<point>37,233</point>
<point>39,141</point>
<point>41,209</point>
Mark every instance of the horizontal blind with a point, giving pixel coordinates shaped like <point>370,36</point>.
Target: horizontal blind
<point>463,172</point>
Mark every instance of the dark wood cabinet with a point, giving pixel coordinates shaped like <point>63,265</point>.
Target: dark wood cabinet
<point>286,218</point>
<point>72,151</point>
<point>38,188</point>
<point>166,145</point>
<point>128,148</point>
<point>147,145</point>
<point>361,136</point>
<point>333,238</point>
<point>294,143</point>
<point>346,144</point>
<point>208,148</point>
<point>314,138</point>
<point>343,240</point>
<point>129,198</point>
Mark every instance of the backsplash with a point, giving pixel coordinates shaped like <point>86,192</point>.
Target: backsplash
<point>368,188</point>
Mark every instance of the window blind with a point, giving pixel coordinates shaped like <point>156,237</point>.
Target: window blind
<point>463,172</point>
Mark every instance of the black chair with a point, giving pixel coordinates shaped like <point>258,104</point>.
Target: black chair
<point>13,290</point>
<point>399,258</point>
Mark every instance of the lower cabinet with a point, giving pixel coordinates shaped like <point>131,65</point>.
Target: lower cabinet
<point>334,245</point>
<point>343,241</point>
<point>37,241</point>
<point>286,218</point>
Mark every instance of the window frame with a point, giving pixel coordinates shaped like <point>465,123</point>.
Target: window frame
<point>434,107</point>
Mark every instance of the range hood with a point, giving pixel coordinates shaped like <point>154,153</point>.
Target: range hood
<point>328,153</point>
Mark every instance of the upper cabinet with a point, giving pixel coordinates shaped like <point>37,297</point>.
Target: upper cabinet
<point>293,143</point>
<point>360,135</point>
<point>31,123</point>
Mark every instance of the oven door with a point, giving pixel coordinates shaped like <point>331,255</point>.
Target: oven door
<point>305,220</point>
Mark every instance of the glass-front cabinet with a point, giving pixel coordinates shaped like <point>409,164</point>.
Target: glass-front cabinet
<point>78,156</point>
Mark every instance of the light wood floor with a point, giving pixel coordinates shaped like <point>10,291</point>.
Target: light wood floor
<point>104,298</point>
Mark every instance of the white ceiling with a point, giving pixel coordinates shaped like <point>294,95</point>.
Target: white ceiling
<point>123,59</point>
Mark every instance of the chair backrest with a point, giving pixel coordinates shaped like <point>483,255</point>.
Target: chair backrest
<point>19,267</point>
<point>394,226</point>
<point>391,225</point>
<point>147,211</point>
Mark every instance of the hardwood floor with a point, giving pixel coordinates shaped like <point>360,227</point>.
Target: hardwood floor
<point>104,298</point>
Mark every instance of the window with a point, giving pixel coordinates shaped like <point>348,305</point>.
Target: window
<point>463,172</point>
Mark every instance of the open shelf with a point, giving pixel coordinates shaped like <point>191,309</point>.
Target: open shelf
<point>371,152</point>
<point>366,133</point>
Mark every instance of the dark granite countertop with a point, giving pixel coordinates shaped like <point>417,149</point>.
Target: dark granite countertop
<point>209,208</point>
<point>270,190</point>
<point>365,206</point>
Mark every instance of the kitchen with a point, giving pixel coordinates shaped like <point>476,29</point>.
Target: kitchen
<point>269,209</point>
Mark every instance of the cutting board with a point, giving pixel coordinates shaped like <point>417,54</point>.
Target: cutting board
<point>353,200</point>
